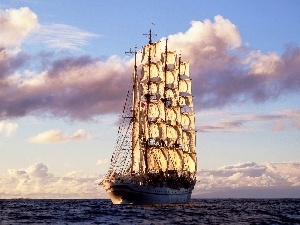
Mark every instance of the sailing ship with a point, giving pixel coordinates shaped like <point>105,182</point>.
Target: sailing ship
<point>154,161</point>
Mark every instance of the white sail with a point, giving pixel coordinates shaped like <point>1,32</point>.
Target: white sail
<point>153,50</point>
<point>189,162</point>
<point>156,72</point>
<point>186,101</point>
<point>157,159</point>
<point>172,133</point>
<point>157,90</point>
<point>172,97</point>
<point>136,154</point>
<point>175,160</point>
<point>153,73</point>
<point>144,73</point>
<point>154,130</point>
<point>173,115</point>
<point>155,156</point>
<point>169,59</point>
<point>185,87</point>
<point>189,141</point>
<point>188,121</point>
<point>184,70</point>
<point>156,111</point>
<point>172,78</point>
<point>162,127</point>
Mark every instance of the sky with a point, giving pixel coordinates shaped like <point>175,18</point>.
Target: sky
<point>64,74</point>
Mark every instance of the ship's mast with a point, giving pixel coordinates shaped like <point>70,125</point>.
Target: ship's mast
<point>150,35</point>
<point>166,100</point>
<point>135,115</point>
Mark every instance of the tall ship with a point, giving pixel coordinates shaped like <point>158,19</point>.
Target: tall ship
<point>154,161</point>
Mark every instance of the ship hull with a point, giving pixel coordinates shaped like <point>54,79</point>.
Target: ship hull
<point>122,193</point>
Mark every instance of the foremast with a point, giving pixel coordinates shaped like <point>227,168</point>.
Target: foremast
<point>135,153</point>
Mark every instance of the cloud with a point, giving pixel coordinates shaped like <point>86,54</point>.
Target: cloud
<point>250,180</point>
<point>224,72</point>
<point>102,162</point>
<point>15,26</point>
<point>78,88</point>
<point>37,182</point>
<point>62,36</point>
<point>281,179</point>
<point>221,121</point>
<point>278,127</point>
<point>18,24</point>
<point>297,124</point>
<point>53,136</point>
<point>7,129</point>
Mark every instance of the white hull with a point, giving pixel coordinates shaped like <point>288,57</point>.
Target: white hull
<point>130,193</point>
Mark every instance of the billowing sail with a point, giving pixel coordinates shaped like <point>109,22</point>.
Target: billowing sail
<point>185,87</point>
<point>173,115</point>
<point>175,159</point>
<point>163,121</point>
<point>153,73</point>
<point>190,162</point>
<point>188,121</point>
<point>156,146</point>
<point>186,101</point>
<point>172,78</point>
<point>189,141</point>
<point>184,70</point>
<point>169,59</point>
<point>156,111</point>
<point>166,93</point>
<point>151,50</point>
<point>157,159</point>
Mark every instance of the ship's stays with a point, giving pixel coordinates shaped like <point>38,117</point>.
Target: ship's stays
<point>155,156</point>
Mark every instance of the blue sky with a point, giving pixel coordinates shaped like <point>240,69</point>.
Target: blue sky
<point>63,73</point>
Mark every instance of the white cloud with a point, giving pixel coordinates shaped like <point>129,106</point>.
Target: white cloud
<point>53,136</point>
<point>239,180</point>
<point>102,162</point>
<point>37,182</point>
<point>16,24</point>
<point>264,64</point>
<point>244,179</point>
<point>207,40</point>
<point>62,36</point>
<point>7,129</point>
<point>224,73</point>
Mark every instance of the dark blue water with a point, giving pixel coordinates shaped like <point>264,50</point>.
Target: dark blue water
<point>199,211</point>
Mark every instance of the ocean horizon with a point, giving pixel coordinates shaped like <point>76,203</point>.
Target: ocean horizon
<point>198,211</point>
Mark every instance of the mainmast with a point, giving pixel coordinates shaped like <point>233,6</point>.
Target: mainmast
<point>148,97</point>
<point>150,36</point>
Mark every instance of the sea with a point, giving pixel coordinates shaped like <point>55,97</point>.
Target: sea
<point>102,211</point>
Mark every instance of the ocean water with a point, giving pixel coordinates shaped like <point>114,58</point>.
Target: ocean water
<point>198,211</point>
